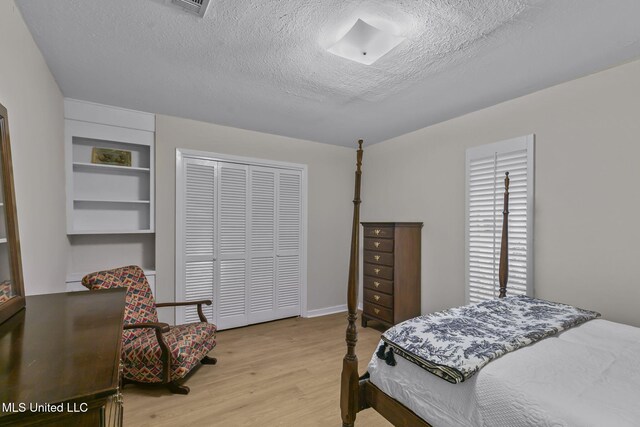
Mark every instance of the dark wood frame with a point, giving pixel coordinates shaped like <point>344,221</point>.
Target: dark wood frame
<point>160,328</point>
<point>17,303</point>
<point>358,393</point>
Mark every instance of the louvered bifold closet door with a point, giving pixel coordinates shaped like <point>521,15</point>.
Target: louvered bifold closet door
<point>198,236</point>
<point>289,243</point>
<point>486,167</point>
<point>262,290</point>
<point>232,295</point>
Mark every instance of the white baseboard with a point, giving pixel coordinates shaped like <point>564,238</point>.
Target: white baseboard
<point>326,311</point>
<point>329,310</point>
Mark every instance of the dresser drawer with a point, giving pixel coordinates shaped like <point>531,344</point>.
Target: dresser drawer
<point>381,232</point>
<point>378,298</point>
<point>382,271</point>
<point>375,257</point>
<point>375,310</point>
<point>379,285</point>
<point>381,245</point>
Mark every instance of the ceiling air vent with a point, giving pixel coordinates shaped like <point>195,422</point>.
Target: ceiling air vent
<point>197,7</point>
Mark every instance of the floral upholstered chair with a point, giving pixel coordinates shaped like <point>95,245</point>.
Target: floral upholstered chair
<point>5,291</point>
<point>154,352</point>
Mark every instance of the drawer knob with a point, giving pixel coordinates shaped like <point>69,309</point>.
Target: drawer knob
<point>376,297</point>
<point>377,257</point>
<point>377,311</point>
<point>377,270</point>
<point>376,244</point>
<point>377,231</point>
<point>376,284</point>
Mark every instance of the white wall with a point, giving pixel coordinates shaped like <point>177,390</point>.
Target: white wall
<point>330,186</point>
<point>587,194</point>
<point>35,109</point>
<point>99,252</point>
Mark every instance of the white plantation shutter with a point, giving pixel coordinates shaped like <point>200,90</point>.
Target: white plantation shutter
<point>262,244</point>
<point>198,213</point>
<point>485,171</point>
<point>232,214</point>
<point>289,237</point>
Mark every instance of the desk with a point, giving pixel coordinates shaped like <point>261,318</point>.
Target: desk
<point>62,353</point>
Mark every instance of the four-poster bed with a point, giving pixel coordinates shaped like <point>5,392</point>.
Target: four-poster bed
<point>357,394</point>
<point>586,375</point>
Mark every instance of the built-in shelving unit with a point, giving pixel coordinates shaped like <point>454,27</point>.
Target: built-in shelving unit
<point>107,198</point>
<point>110,207</point>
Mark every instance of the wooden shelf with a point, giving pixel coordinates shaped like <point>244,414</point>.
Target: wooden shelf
<point>75,232</point>
<point>83,165</point>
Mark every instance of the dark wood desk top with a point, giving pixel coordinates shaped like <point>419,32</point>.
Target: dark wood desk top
<point>62,347</point>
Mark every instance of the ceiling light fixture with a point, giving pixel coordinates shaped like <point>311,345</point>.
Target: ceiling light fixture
<point>365,43</point>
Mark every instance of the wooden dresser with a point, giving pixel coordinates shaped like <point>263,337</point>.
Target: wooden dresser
<point>391,271</point>
<point>59,360</point>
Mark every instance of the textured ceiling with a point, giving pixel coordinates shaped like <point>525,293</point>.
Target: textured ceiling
<point>262,64</point>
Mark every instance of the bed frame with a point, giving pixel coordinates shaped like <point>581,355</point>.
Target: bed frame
<point>358,393</point>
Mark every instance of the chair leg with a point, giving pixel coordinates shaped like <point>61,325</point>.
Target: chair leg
<point>209,360</point>
<point>176,388</point>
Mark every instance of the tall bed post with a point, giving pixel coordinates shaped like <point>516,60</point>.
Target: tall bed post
<point>503,275</point>
<point>356,394</point>
<point>349,390</point>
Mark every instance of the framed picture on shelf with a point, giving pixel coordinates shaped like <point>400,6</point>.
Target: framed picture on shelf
<point>108,156</point>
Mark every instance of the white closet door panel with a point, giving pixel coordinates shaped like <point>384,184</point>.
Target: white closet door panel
<point>263,211</point>
<point>199,279</point>
<point>289,237</point>
<point>233,210</point>
<point>288,285</point>
<point>261,287</point>
<point>289,212</point>
<point>231,300</point>
<point>262,301</point>
<point>199,206</point>
<point>232,231</point>
<point>196,240</point>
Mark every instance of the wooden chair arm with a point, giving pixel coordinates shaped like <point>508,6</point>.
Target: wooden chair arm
<point>186,303</point>
<point>162,327</point>
<point>159,329</point>
<point>183,303</point>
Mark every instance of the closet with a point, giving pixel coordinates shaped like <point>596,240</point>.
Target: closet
<point>239,238</point>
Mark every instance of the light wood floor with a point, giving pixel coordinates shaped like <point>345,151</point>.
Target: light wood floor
<point>282,373</point>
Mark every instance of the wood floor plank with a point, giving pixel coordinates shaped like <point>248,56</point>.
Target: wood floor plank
<point>282,373</point>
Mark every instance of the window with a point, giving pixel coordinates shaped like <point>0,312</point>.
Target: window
<point>485,171</point>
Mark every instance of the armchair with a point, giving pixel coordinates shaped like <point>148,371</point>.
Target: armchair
<point>154,352</point>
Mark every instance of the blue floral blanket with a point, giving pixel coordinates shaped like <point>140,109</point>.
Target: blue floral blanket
<point>454,344</point>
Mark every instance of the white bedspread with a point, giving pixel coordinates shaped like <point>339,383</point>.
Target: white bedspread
<point>586,376</point>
